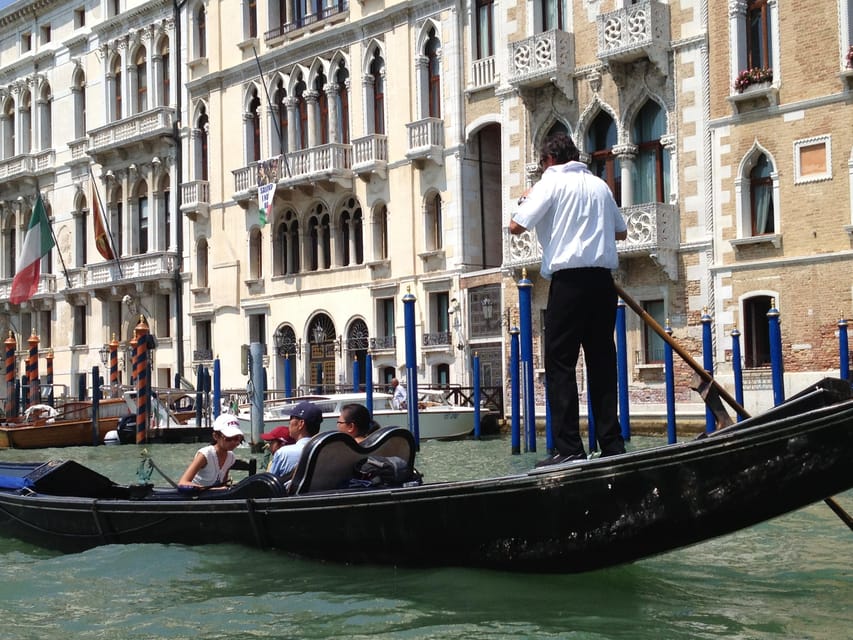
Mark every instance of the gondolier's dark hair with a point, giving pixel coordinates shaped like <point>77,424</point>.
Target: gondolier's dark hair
<point>560,148</point>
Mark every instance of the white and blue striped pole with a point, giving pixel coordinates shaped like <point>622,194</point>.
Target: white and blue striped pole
<point>411,365</point>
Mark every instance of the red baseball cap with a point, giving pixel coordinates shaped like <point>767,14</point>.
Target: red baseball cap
<point>279,433</point>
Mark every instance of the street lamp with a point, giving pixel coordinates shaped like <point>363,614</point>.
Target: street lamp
<point>487,305</point>
<point>105,354</point>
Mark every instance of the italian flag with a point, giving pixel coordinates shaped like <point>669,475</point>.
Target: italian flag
<point>37,243</point>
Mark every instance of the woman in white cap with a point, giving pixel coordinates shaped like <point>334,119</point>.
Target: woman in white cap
<point>210,465</point>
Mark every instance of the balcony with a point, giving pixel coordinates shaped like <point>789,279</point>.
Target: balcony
<point>370,156</point>
<point>483,74</point>
<point>437,341</point>
<point>129,133</point>
<point>426,141</point>
<point>327,165</point>
<point>653,231</point>
<point>383,343</point>
<point>544,58</point>
<point>638,31</point>
<point>42,298</point>
<point>326,17</point>
<point>27,165</point>
<point>78,150</point>
<point>157,267</point>
<point>195,199</point>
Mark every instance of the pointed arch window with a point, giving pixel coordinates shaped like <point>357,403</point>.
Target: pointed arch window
<point>600,141</point>
<point>201,32</point>
<point>166,73</point>
<point>342,98</point>
<point>202,129</point>
<point>45,107</point>
<point>651,166</point>
<point>761,197</point>
<point>141,222</point>
<point>254,127</point>
<point>377,73</point>
<point>79,92</point>
<point>301,136</point>
<point>8,129</point>
<point>322,109</point>
<point>116,88</point>
<point>432,49</point>
<point>256,271</point>
<point>380,238</point>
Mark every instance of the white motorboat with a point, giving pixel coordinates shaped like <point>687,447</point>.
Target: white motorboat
<point>437,417</point>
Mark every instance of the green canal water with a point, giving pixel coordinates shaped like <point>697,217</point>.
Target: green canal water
<point>788,578</point>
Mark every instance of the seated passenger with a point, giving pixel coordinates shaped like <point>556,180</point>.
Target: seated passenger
<point>355,420</point>
<point>305,422</point>
<point>276,439</point>
<point>210,465</point>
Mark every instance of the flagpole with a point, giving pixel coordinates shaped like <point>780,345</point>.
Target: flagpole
<point>106,222</point>
<point>55,241</point>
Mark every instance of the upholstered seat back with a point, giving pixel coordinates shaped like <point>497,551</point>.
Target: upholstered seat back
<point>329,459</point>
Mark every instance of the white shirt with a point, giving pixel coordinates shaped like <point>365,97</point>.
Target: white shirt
<point>212,474</point>
<point>398,400</point>
<point>575,217</point>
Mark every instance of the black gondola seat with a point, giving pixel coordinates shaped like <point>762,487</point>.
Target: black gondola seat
<point>328,460</point>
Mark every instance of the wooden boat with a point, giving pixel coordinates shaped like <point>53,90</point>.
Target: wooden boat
<point>437,417</point>
<point>70,427</point>
<point>563,518</point>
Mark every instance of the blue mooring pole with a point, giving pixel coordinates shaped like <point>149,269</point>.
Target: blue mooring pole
<point>843,351</point>
<point>669,372</point>
<point>737,369</point>
<point>708,364</point>
<point>776,364</point>
<point>368,383</point>
<point>514,391</point>
<point>217,388</point>
<point>411,366</point>
<point>475,375</point>
<point>288,385</point>
<point>356,376</point>
<point>525,291</point>
<point>622,370</point>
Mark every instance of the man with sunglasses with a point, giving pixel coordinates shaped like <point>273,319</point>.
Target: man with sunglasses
<point>577,223</point>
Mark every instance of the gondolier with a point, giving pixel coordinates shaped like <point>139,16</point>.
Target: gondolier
<point>577,223</point>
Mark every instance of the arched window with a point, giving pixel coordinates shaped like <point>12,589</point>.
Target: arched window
<point>256,271</point>
<point>322,109</point>
<point>278,117</point>
<point>81,232</point>
<point>761,197</point>
<point>141,80</point>
<point>599,142</point>
<point>651,166</point>
<point>26,123</point>
<point>342,98</point>
<point>78,90</point>
<point>432,50</point>
<point>165,73</point>
<point>301,135</point>
<point>116,88</point>
<point>254,127</point>
<point>201,264</point>
<point>294,261</point>
<point>8,128</point>
<point>165,212</point>
<point>433,223</point>
<point>351,242</point>
<point>141,221</point>
<point>756,339</point>
<point>280,249</point>
<point>201,32</point>
<point>202,133</point>
<point>377,74</point>
<point>45,109</point>
<point>320,254</point>
<point>117,223</point>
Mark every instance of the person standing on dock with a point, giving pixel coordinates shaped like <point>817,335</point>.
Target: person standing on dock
<point>578,223</point>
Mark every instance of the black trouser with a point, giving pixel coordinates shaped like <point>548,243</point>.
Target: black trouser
<point>582,313</point>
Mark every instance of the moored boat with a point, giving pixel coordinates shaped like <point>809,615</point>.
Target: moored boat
<point>437,417</point>
<point>569,517</point>
<point>69,427</point>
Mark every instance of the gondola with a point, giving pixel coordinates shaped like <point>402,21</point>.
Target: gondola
<point>571,517</point>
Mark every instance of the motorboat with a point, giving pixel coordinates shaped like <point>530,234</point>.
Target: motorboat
<point>438,418</point>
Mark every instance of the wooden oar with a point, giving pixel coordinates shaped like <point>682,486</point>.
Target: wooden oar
<point>707,377</point>
<point>698,368</point>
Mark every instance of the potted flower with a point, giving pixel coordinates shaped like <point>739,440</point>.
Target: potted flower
<point>749,77</point>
